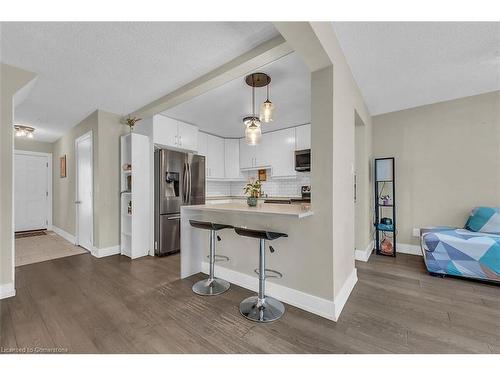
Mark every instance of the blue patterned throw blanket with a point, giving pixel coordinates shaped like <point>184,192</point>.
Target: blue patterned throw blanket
<point>462,252</point>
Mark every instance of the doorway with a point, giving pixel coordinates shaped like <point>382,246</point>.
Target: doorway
<point>32,191</point>
<point>84,192</point>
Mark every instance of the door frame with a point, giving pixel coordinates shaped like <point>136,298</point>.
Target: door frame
<point>49,182</point>
<point>77,234</point>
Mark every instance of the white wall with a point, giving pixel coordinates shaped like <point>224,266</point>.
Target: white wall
<point>447,160</point>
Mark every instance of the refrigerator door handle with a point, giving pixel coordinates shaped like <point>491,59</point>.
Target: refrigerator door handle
<point>184,184</point>
<point>189,183</point>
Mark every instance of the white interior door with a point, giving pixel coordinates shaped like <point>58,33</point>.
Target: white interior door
<point>30,192</point>
<point>84,187</point>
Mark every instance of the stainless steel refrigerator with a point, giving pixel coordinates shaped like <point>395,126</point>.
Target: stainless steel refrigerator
<point>179,181</point>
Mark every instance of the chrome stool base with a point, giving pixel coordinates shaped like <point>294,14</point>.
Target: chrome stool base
<point>269,311</point>
<point>212,287</point>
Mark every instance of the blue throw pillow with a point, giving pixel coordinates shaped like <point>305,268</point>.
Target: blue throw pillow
<point>484,219</point>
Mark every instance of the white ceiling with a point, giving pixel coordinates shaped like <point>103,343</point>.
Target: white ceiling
<point>400,65</point>
<point>221,110</point>
<point>116,67</point>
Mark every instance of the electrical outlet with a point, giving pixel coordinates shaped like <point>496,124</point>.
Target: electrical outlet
<point>416,232</point>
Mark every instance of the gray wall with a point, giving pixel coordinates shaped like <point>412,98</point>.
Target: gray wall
<point>12,81</point>
<point>64,187</point>
<point>447,160</point>
<point>26,144</point>
<point>106,131</point>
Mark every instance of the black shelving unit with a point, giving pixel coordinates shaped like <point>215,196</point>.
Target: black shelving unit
<point>385,185</point>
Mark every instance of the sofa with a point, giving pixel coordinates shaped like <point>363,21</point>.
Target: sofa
<point>471,252</point>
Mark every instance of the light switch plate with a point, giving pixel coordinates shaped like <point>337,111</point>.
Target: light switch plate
<point>416,232</point>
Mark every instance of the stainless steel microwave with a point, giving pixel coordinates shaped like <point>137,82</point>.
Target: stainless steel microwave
<point>303,160</point>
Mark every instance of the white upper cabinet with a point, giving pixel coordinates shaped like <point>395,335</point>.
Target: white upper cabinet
<point>168,132</point>
<point>214,159</point>
<point>187,136</point>
<point>303,137</point>
<point>232,159</point>
<point>259,156</point>
<point>247,154</point>
<point>283,153</point>
<point>165,131</point>
<point>202,143</point>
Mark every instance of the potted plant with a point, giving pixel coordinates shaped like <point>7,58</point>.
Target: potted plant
<point>252,190</point>
<point>130,122</point>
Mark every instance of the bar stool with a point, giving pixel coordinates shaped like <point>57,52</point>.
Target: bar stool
<point>261,308</point>
<point>211,286</point>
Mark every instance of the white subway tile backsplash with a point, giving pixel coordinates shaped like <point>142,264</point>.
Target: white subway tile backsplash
<point>218,188</point>
<point>289,187</point>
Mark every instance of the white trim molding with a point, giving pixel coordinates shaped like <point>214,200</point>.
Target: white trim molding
<point>48,155</point>
<point>364,255</point>
<point>320,306</point>
<point>405,248</point>
<point>344,293</point>
<point>64,234</point>
<point>106,251</point>
<point>7,290</point>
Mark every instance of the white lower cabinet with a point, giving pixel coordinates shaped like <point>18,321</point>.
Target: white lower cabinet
<point>283,153</point>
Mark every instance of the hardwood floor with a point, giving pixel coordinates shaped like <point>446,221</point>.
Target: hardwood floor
<point>82,304</point>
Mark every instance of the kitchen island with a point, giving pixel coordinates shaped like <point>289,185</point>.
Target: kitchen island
<point>304,265</point>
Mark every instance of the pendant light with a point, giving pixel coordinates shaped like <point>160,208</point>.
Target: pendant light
<point>267,108</point>
<point>253,132</point>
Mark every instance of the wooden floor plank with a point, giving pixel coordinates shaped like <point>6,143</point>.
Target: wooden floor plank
<point>115,305</point>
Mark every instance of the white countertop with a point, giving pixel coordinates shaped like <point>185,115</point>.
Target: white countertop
<point>298,210</point>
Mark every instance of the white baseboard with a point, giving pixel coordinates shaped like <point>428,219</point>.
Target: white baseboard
<point>7,290</point>
<point>313,304</point>
<point>63,234</point>
<point>364,255</point>
<point>345,292</point>
<point>405,248</point>
<point>106,251</point>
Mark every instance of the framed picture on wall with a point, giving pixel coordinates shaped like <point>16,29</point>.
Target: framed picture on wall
<point>62,166</point>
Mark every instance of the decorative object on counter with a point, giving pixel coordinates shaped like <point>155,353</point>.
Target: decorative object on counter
<point>130,122</point>
<point>62,166</point>
<point>262,175</point>
<point>24,131</point>
<point>127,167</point>
<point>253,132</point>
<point>385,207</point>
<point>253,190</point>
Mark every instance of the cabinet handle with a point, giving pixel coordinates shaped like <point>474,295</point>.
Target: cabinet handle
<point>180,140</point>
<point>175,139</point>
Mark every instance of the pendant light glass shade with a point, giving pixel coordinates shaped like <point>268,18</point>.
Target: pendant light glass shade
<point>266,111</point>
<point>253,133</point>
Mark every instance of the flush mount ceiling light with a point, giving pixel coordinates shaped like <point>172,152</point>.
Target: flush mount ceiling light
<point>24,131</point>
<point>253,132</point>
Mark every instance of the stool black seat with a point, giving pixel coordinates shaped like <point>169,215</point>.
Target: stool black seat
<point>208,225</point>
<point>262,234</point>
<point>261,308</point>
<point>211,286</point>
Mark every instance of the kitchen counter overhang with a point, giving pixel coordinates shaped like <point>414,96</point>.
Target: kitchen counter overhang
<point>295,210</point>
